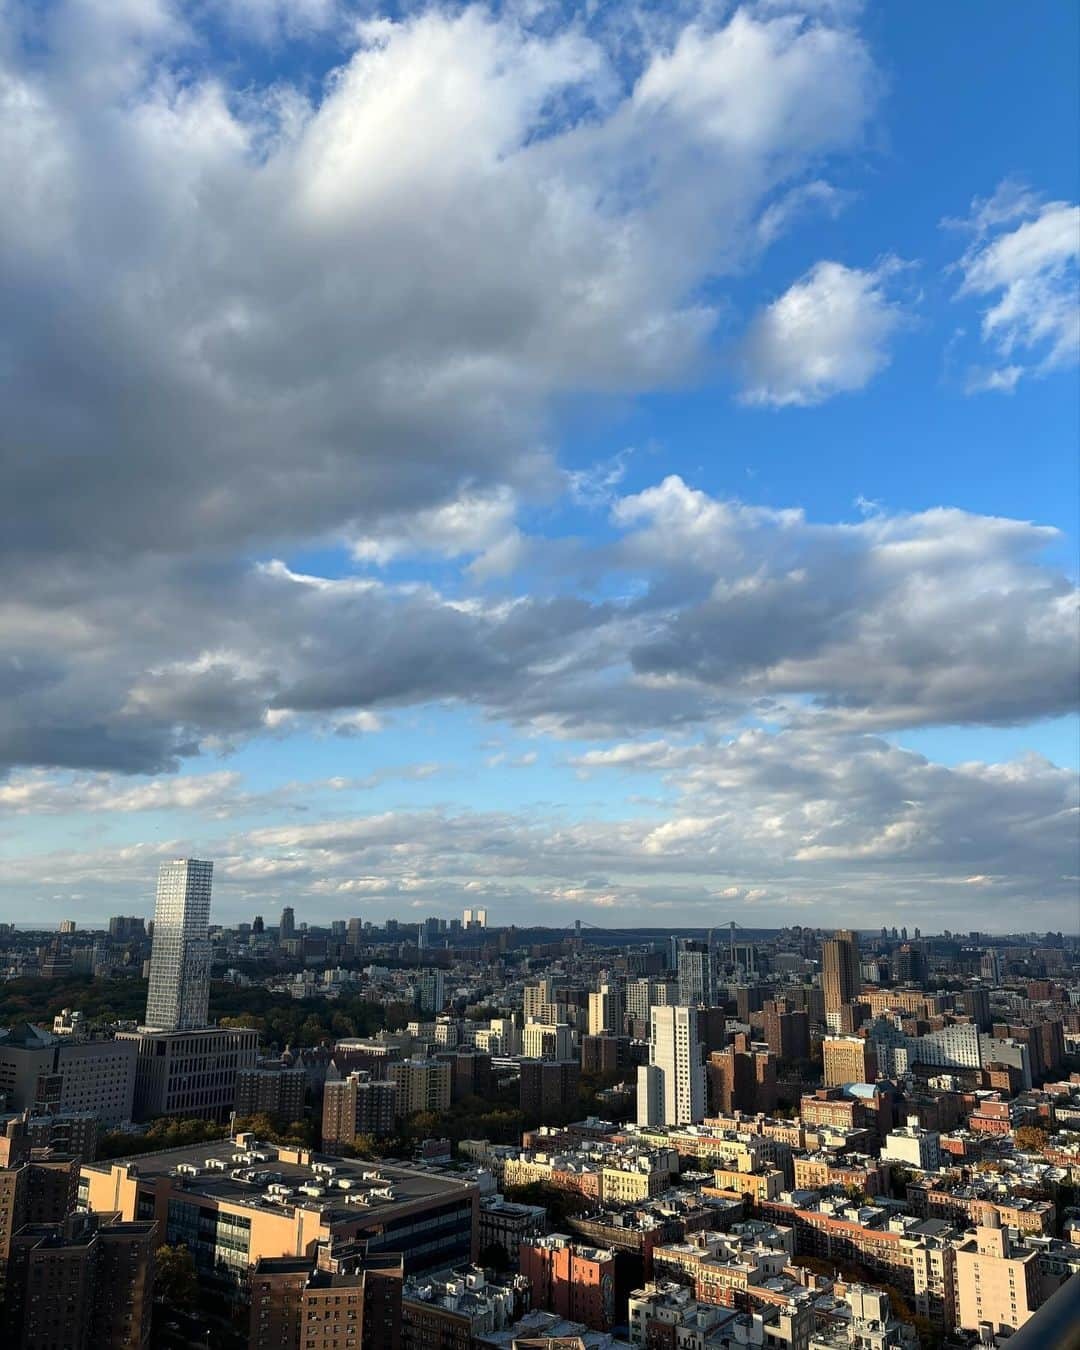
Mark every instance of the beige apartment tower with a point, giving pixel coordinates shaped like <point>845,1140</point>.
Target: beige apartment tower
<point>995,1284</point>
<point>848,1059</point>
<point>839,973</point>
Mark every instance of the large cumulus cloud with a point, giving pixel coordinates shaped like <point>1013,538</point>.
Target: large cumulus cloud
<point>702,610</point>
<point>240,312</point>
<point>248,318</point>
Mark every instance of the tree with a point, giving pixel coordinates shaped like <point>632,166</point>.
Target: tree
<point>899,1180</point>
<point>164,1132</point>
<point>494,1257</point>
<point>1031,1139</point>
<point>275,1131</point>
<point>362,1146</point>
<point>175,1280</point>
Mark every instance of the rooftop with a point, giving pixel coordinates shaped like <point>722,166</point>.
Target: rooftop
<point>268,1177</point>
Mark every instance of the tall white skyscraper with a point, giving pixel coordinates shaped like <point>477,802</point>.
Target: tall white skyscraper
<point>605,1010</point>
<point>179,994</point>
<point>671,1087</point>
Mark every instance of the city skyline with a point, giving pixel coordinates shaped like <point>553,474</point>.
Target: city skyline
<point>568,462</point>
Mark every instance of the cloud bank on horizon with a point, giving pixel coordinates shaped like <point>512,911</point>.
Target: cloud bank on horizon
<point>310,316</point>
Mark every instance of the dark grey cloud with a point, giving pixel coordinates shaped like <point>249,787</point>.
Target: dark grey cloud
<point>711,612</point>
<point>900,620</point>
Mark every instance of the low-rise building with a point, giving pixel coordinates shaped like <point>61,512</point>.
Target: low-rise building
<point>761,1185</point>
<point>235,1201</point>
<point>507,1224</point>
<point>822,1171</point>
<point>449,1310</point>
<point>571,1279</point>
<point>665,1313</point>
<point>913,1146</point>
<point>727,1268</point>
<point>865,1321</point>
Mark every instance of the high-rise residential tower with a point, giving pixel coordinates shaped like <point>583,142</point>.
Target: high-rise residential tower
<point>839,973</point>
<point>671,1087</point>
<point>606,1010</point>
<point>179,994</point>
<point>696,970</point>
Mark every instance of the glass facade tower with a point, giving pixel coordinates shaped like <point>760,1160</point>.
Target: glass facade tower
<point>179,994</point>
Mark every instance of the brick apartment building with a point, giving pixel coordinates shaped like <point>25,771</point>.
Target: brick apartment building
<point>571,1280</point>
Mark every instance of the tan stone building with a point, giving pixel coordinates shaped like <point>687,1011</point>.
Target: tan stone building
<point>189,1073</point>
<point>235,1201</point>
<point>848,1059</point>
<point>839,972</point>
<point>632,1182</point>
<point>422,1085</point>
<point>995,1283</point>
<point>764,1185</point>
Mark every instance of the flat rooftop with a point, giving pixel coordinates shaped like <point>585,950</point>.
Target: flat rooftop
<point>260,1177</point>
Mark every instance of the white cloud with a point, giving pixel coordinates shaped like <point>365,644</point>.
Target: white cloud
<point>895,620</point>
<point>317,311</point>
<point>794,205</point>
<point>473,523</point>
<point>846,824</point>
<point>38,793</point>
<point>595,486</point>
<point>1029,273</point>
<point>828,334</point>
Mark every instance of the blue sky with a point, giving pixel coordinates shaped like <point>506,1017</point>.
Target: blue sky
<point>608,469</point>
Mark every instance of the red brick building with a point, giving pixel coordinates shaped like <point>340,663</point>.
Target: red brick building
<point>571,1280</point>
<point>741,1079</point>
<point>342,1298</point>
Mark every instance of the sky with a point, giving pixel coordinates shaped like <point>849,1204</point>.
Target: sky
<point>612,462</point>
